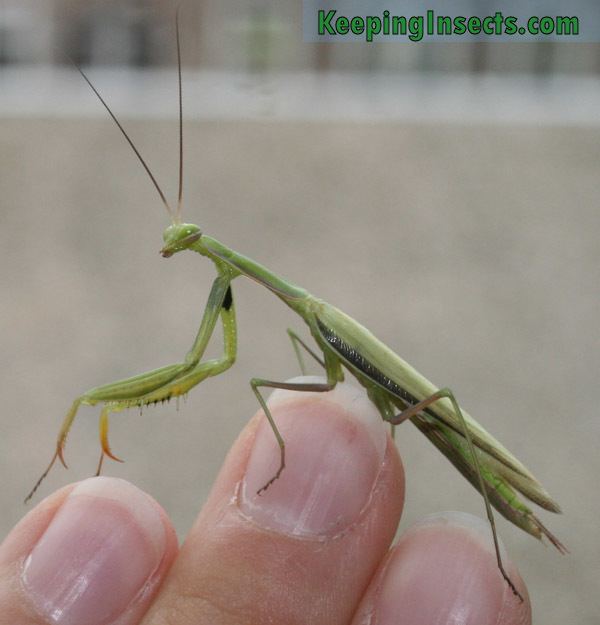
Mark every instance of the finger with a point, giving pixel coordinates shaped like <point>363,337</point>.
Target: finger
<point>444,570</point>
<point>304,551</point>
<point>94,553</point>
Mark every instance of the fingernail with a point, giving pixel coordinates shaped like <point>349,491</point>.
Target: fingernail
<point>335,444</point>
<point>443,570</point>
<point>98,553</point>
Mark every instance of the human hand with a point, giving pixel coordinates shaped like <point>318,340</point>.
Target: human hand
<point>313,549</point>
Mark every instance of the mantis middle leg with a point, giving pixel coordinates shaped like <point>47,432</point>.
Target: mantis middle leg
<point>334,375</point>
<point>296,342</point>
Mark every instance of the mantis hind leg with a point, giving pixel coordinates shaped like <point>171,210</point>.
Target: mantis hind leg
<point>423,405</point>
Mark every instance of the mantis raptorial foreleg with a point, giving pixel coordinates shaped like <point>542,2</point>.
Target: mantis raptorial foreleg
<point>160,384</point>
<point>412,411</point>
<point>103,427</point>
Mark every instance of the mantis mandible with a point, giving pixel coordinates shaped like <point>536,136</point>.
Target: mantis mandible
<point>399,392</point>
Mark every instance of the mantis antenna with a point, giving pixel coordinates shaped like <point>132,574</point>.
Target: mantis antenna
<point>180,196</point>
<point>175,215</point>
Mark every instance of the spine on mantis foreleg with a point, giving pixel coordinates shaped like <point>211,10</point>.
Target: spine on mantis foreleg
<point>499,491</point>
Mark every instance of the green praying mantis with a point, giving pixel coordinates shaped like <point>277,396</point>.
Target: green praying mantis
<point>398,391</point>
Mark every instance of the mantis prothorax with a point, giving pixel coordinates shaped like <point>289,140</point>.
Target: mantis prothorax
<point>398,391</point>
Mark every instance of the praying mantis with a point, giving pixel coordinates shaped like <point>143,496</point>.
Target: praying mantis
<point>343,345</point>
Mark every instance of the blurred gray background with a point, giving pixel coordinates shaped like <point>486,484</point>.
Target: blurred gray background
<point>445,195</point>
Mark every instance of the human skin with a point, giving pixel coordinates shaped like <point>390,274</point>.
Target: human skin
<point>314,548</point>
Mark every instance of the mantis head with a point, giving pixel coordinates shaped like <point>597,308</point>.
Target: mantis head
<point>178,237</point>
